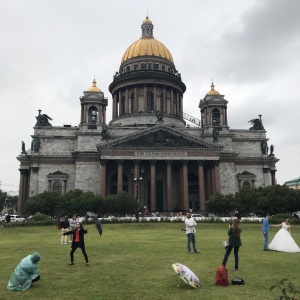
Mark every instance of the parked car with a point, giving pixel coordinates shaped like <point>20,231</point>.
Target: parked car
<point>16,218</point>
<point>211,216</point>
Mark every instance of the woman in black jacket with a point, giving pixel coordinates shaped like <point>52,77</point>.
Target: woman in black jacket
<point>235,243</point>
<point>78,242</point>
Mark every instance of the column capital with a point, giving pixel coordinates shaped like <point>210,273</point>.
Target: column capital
<point>185,162</point>
<point>153,162</point>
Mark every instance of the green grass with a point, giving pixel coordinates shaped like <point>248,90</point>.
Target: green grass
<point>133,261</point>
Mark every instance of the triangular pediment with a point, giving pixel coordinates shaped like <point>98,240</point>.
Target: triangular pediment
<point>160,137</point>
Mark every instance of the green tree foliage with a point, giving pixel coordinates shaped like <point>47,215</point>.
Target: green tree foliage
<point>221,204</point>
<point>76,201</point>
<point>120,204</point>
<point>45,203</point>
<point>3,196</point>
<point>246,200</point>
<point>282,199</point>
<point>12,202</point>
<point>273,199</point>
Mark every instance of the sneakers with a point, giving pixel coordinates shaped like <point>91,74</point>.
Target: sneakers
<point>87,264</point>
<point>196,251</point>
<point>190,252</point>
<point>70,241</point>
<point>71,264</point>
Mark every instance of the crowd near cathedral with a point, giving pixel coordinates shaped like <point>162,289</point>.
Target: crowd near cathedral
<point>151,148</point>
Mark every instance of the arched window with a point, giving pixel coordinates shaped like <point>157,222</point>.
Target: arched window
<point>132,103</point>
<point>246,184</point>
<point>57,187</point>
<point>216,117</point>
<point>93,115</point>
<point>150,106</point>
<point>123,106</point>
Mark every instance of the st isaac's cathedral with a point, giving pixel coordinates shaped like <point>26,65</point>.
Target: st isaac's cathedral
<point>147,148</point>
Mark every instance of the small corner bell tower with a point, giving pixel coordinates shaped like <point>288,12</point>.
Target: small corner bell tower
<point>213,109</point>
<point>93,107</point>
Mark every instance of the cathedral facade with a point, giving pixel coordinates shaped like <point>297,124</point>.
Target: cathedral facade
<point>148,148</point>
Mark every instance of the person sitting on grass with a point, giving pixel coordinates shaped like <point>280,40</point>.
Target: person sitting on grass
<point>25,273</point>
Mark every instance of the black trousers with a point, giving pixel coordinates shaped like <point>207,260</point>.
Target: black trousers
<point>74,248</point>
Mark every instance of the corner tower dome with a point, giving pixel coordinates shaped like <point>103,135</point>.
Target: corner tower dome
<point>212,90</point>
<point>94,87</point>
<point>147,45</point>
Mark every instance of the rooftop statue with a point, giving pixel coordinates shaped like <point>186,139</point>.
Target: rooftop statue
<point>104,132</point>
<point>43,119</point>
<point>215,133</point>
<point>23,147</point>
<point>256,124</point>
<point>272,150</point>
<point>264,147</point>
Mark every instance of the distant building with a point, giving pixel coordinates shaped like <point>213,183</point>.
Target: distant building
<point>293,184</point>
<point>147,148</point>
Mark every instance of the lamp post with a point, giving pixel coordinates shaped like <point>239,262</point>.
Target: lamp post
<point>137,179</point>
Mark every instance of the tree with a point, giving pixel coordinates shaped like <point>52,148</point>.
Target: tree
<point>220,204</point>
<point>45,203</point>
<point>120,204</point>
<point>246,200</point>
<point>76,201</point>
<point>3,196</point>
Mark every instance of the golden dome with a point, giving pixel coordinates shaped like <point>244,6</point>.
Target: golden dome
<point>147,45</point>
<point>147,21</point>
<point>94,88</point>
<point>212,90</point>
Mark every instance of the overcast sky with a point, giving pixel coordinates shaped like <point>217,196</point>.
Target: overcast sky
<point>51,51</point>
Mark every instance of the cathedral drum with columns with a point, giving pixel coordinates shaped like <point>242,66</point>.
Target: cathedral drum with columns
<point>147,149</point>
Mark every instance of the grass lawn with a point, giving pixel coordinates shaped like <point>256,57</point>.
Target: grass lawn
<point>133,261</point>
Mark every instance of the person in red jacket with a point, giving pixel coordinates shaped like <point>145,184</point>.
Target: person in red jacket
<point>78,242</point>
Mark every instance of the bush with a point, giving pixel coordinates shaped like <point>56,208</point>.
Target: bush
<point>281,217</point>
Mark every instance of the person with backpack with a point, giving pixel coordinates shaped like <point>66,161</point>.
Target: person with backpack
<point>234,233</point>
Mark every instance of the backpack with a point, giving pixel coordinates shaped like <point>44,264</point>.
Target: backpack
<point>221,276</point>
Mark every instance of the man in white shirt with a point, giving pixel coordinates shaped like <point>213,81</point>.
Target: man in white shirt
<point>190,232</point>
<point>73,223</point>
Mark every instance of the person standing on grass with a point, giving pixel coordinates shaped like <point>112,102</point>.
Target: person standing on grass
<point>235,243</point>
<point>72,223</point>
<point>78,242</point>
<point>265,230</point>
<point>64,228</point>
<point>190,232</point>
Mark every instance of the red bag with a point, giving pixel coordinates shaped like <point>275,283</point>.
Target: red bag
<point>59,225</point>
<point>221,276</point>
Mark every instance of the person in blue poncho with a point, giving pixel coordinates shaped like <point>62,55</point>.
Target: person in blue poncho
<point>25,273</point>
